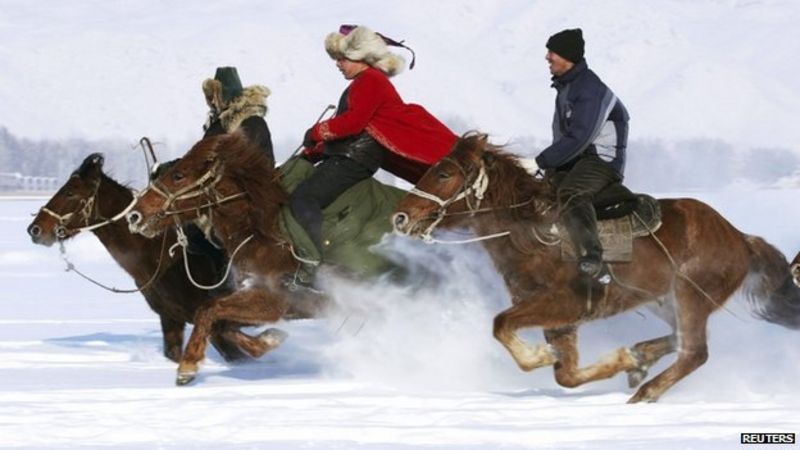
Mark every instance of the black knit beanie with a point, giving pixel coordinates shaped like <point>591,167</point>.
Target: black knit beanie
<point>567,44</point>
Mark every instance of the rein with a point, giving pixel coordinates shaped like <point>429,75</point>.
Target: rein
<point>71,267</point>
<point>205,185</point>
<point>183,242</point>
<point>477,190</point>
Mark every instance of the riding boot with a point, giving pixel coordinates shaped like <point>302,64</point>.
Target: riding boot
<point>581,224</point>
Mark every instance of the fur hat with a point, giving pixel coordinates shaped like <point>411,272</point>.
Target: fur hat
<point>363,44</point>
<point>223,88</point>
<point>567,44</point>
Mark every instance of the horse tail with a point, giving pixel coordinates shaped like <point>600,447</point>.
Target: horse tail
<point>770,289</point>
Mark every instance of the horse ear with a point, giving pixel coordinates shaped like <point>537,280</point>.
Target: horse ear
<point>92,164</point>
<point>483,138</point>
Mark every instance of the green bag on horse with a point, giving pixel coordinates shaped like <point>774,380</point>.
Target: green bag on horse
<point>354,222</point>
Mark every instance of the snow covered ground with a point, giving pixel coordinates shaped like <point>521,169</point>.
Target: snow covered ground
<point>81,367</point>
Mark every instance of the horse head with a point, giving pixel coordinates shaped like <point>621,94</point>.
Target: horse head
<point>451,186</point>
<point>179,194</point>
<point>73,206</point>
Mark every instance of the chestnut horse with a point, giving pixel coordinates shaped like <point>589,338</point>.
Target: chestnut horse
<point>85,201</point>
<point>237,185</point>
<point>687,269</point>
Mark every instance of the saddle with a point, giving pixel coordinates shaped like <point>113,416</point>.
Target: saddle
<point>354,222</point>
<point>622,216</point>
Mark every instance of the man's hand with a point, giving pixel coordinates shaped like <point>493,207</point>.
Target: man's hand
<point>529,164</point>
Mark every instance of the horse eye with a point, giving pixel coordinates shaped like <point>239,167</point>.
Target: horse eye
<point>70,193</point>
<point>443,175</point>
<point>177,176</point>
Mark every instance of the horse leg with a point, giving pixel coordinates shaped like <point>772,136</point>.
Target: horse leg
<point>527,357</point>
<point>172,333</point>
<point>226,345</point>
<point>567,372</point>
<point>693,311</point>
<point>257,346</point>
<point>647,353</point>
<point>249,306</point>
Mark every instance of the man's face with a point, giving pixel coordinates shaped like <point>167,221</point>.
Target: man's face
<point>349,68</point>
<point>558,65</point>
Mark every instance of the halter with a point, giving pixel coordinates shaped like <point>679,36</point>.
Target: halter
<point>85,212</point>
<point>205,185</point>
<point>477,189</point>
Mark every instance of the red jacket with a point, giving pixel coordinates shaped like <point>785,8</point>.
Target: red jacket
<point>415,138</point>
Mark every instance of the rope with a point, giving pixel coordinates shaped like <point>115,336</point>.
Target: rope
<point>71,267</point>
<point>677,270</point>
<point>428,239</point>
<point>301,259</point>
<point>183,242</point>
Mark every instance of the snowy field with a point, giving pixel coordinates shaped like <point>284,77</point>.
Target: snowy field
<point>81,367</point>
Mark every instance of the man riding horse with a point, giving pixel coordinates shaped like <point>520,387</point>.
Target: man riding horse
<point>373,128</point>
<point>590,133</point>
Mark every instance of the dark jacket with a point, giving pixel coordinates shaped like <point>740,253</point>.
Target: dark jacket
<point>254,127</point>
<point>589,119</point>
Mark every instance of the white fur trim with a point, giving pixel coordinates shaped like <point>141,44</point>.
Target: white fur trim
<point>363,44</point>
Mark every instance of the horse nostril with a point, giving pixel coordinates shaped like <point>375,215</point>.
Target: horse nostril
<point>134,217</point>
<point>400,220</point>
<point>35,231</point>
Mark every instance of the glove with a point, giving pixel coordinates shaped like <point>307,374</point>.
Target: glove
<point>308,138</point>
<point>529,164</point>
<point>314,152</point>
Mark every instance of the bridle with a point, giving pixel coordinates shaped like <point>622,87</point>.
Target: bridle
<point>475,190</point>
<point>469,190</point>
<point>205,185</point>
<point>86,212</point>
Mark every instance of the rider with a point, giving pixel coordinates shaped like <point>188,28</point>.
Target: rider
<point>373,128</point>
<point>590,133</point>
<point>233,107</point>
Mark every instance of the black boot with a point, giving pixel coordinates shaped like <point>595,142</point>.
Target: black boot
<point>581,224</point>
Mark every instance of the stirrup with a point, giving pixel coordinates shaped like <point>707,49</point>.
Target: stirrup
<point>595,269</point>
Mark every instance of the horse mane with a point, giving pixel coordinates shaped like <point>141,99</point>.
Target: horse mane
<point>254,172</point>
<point>510,184</point>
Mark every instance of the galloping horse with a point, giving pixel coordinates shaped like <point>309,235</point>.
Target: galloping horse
<point>687,269</point>
<point>85,202</point>
<point>236,185</point>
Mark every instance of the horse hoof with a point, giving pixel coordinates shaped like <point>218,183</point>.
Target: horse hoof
<point>184,378</point>
<point>273,337</point>
<point>636,376</point>
<point>641,399</point>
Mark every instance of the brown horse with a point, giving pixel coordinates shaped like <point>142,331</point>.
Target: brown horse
<point>237,185</point>
<point>87,200</point>
<point>687,269</point>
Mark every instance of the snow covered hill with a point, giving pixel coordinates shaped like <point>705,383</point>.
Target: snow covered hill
<point>716,69</point>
